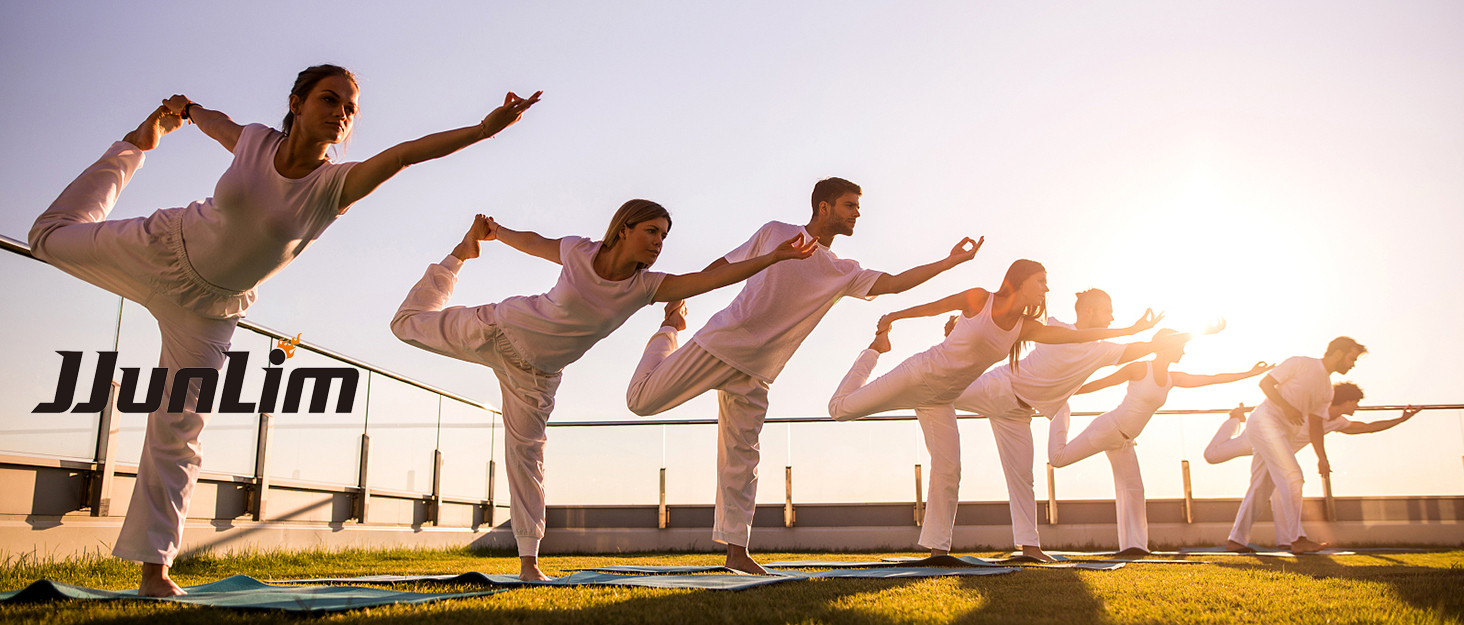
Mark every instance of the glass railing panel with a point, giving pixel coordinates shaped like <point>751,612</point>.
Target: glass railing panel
<point>46,311</point>
<point>864,461</point>
<point>690,457</point>
<point>403,428</point>
<point>230,439</point>
<point>467,441</point>
<point>318,447</point>
<point>603,465</point>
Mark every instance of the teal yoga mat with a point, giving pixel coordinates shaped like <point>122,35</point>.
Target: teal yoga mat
<point>835,569</point>
<point>242,592</point>
<point>580,578</point>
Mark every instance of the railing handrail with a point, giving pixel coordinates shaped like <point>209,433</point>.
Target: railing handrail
<point>22,249</point>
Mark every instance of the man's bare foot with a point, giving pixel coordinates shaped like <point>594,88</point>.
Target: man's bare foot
<point>1132,552</point>
<point>156,583</point>
<point>151,130</point>
<point>1036,552</point>
<point>675,315</point>
<point>881,342</point>
<point>1236,547</point>
<point>939,552</point>
<point>738,560</point>
<point>529,570</point>
<point>1306,545</point>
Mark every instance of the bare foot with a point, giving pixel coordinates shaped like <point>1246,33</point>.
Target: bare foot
<point>529,570</point>
<point>1132,552</point>
<point>1236,547</point>
<point>162,121</point>
<point>1036,552</point>
<point>939,552</point>
<point>1305,545</point>
<point>738,560</point>
<point>155,582</point>
<point>881,342</point>
<point>675,315</point>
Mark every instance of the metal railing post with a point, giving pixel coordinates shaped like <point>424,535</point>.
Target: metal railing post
<point>259,503</point>
<point>363,501</point>
<point>1189,494</point>
<point>790,515</point>
<point>492,506</point>
<point>434,509</point>
<point>1051,496</point>
<point>663,516</point>
<point>1328,503</point>
<point>919,498</point>
<point>99,487</point>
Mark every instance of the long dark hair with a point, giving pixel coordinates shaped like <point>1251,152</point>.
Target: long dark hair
<point>307,80</point>
<point>1016,274</point>
<point>630,215</point>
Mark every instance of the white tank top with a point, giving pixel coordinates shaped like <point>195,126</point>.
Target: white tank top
<point>973,346</point>
<point>1144,398</point>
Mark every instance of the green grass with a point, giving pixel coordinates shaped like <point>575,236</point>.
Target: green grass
<point>1398,588</point>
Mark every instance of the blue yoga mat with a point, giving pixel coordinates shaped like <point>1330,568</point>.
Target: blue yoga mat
<point>242,592</point>
<point>836,569</point>
<point>580,578</point>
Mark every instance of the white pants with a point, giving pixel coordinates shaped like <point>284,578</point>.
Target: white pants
<point>905,387</point>
<point>668,377</point>
<point>1011,423</point>
<point>1226,445</point>
<point>142,260</point>
<point>1274,464</point>
<point>473,335</point>
<point>1128,483</point>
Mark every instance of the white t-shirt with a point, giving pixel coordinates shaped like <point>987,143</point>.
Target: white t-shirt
<point>554,329</point>
<point>257,220</point>
<point>781,305</point>
<point>1304,383</point>
<point>1303,437</point>
<point>1048,376</point>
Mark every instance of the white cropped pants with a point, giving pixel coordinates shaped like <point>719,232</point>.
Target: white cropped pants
<point>1011,423</point>
<point>1274,465</point>
<point>1128,483</point>
<point>142,260</point>
<point>668,377</point>
<point>905,387</point>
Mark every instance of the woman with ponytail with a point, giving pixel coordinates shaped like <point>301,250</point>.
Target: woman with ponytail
<point>196,268</point>
<point>992,326</point>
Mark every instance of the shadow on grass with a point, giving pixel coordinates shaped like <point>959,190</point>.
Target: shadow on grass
<point>1422,587</point>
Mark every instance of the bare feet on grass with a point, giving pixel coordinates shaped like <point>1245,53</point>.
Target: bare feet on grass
<point>156,583</point>
<point>1036,552</point>
<point>1306,545</point>
<point>162,121</point>
<point>529,570</point>
<point>738,560</point>
<point>675,315</point>
<point>1236,547</point>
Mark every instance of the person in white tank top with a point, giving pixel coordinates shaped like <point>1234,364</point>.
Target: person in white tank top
<point>528,341</point>
<point>992,327</point>
<point>196,268</point>
<point>1114,432</point>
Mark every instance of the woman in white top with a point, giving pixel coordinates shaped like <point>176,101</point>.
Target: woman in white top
<point>528,341</point>
<point>992,326</point>
<point>195,268</point>
<point>1114,432</point>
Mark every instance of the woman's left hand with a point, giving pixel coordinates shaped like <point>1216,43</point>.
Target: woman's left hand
<point>1261,367</point>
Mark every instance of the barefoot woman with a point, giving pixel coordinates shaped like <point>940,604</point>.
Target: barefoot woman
<point>992,326</point>
<point>528,341</point>
<point>196,268</point>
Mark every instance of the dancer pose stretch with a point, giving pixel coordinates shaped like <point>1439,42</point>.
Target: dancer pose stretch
<point>742,349</point>
<point>196,268</point>
<point>1114,432</point>
<point>1050,374</point>
<point>992,326</point>
<point>528,341</point>
<point>1298,392</point>
<point>1227,445</point>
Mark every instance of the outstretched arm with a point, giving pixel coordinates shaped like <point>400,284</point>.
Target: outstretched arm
<point>911,278</point>
<point>1360,427</point>
<point>1189,380</point>
<point>1126,373</point>
<point>1033,330</point>
<point>216,125</point>
<point>369,174</point>
<point>962,301</point>
<point>721,273</point>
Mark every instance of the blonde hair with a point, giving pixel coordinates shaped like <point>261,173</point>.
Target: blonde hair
<point>631,214</point>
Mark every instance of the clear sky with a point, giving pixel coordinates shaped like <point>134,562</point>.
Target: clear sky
<point>1297,168</point>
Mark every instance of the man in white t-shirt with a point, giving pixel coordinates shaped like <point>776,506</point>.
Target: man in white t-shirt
<point>1298,392</point>
<point>1042,384</point>
<point>742,349</point>
<point>1231,442</point>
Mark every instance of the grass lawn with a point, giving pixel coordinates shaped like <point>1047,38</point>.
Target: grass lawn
<point>1396,588</point>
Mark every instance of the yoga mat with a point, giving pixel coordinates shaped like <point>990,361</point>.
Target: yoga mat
<point>626,569</point>
<point>1107,556</point>
<point>1264,551</point>
<point>942,561</point>
<point>880,570</point>
<point>580,578</point>
<point>242,592</point>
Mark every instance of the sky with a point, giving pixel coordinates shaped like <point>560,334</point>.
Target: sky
<point>1296,168</point>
